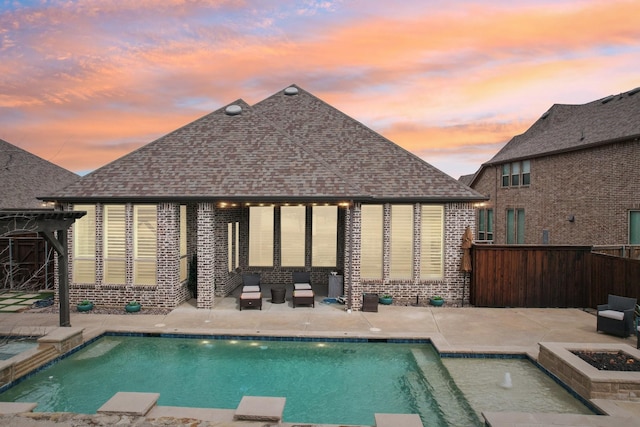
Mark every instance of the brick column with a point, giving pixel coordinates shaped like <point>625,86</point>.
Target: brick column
<point>168,254</point>
<point>206,255</point>
<point>352,254</point>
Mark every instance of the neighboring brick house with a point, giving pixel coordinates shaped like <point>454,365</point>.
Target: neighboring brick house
<point>23,177</point>
<point>287,184</point>
<point>571,178</point>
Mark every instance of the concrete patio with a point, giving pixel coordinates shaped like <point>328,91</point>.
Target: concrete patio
<point>468,329</point>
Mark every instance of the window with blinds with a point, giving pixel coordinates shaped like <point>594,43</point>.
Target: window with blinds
<point>114,244</point>
<point>230,258</point>
<point>371,241</point>
<point>292,235</point>
<point>324,236</point>
<point>401,266</point>
<point>183,243</point>
<point>233,242</point>
<point>432,242</point>
<point>261,236</point>
<point>84,245</point>
<point>144,244</point>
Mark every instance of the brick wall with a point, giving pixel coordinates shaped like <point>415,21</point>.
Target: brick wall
<point>457,216</point>
<point>207,228</point>
<point>593,185</point>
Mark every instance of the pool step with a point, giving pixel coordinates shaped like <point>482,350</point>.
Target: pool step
<point>450,399</point>
<point>40,357</point>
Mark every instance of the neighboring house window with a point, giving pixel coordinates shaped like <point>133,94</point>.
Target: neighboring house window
<point>516,174</point>
<point>432,242</point>
<point>84,245</point>
<point>485,224</point>
<point>506,174</point>
<point>515,226</point>
<point>183,243</point>
<point>324,236</point>
<point>371,241</point>
<point>634,227</point>
<point>401,262</point>
<point>144,244</point>
<point>526,172</point>
<point>292,235</point>
<point>261,236</point>
<point>115,261</point>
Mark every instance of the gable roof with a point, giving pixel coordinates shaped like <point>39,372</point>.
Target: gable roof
<point>574,127</point>
<point>25,176</point>
<point>289,146</point>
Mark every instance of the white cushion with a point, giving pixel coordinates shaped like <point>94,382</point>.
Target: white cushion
<point>303,293</point>
<point>251,295</point>
<point>298,286</point>
<point>251,288</point>
<point>612,314</point>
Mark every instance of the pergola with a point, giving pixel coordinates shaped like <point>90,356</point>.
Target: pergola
<point>52,226</point>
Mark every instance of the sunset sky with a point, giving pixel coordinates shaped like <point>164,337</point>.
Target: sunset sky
<point>83,83</point>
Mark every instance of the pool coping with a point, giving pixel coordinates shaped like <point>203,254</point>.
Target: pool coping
<point>439,343</point>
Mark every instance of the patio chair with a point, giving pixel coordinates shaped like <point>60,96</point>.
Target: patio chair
<point>301,280</point>
<point>250,299</point>
<point>303,296</point>
<point>251,295</point>
<point>251,282</point>
<point>616,317</point>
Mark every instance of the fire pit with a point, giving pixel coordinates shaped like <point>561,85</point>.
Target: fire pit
<point>609,361</point>
<point>563,360</point>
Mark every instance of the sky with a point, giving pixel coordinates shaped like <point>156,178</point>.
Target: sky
<point>83,83</point>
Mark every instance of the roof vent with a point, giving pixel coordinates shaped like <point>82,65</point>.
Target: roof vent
<point>607,99</point>
<point>546,114</point>
<point>291,90</point>
<point>233,110</point>
<point>633,91</point>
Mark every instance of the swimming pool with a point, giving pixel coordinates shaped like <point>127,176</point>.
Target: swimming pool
<point>325,382</point>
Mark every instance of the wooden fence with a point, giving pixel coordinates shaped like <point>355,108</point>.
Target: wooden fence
<point>549,276</point>
<point>26,263</point>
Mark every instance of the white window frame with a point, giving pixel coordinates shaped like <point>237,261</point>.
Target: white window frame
<point>324,236</point>
<point>184,270</point>
<point>432,242</point>
<point>84,245</point>
<point>292,236</point>
<point>114,244</point>
<point>261,231</point>
<point>145,244</point>
<point>401,247</point>
<point>371,241</point>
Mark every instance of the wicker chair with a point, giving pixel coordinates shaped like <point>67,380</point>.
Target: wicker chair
<point>616,317</point>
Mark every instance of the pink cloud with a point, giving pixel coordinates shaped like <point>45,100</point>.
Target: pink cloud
<point>97,74</point>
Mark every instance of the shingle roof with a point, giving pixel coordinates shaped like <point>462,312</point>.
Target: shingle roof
<point>574,127</point>
<point>25,176</point>
<point>286,146</point>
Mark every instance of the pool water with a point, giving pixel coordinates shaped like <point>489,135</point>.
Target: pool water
<point>13,346</point>
<point>482,381</point>
<point>324,382</point>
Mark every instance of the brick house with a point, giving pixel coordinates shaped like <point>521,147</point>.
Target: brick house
<point>571,178</point>
<point>26,260</point>
<point>285,185</point>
